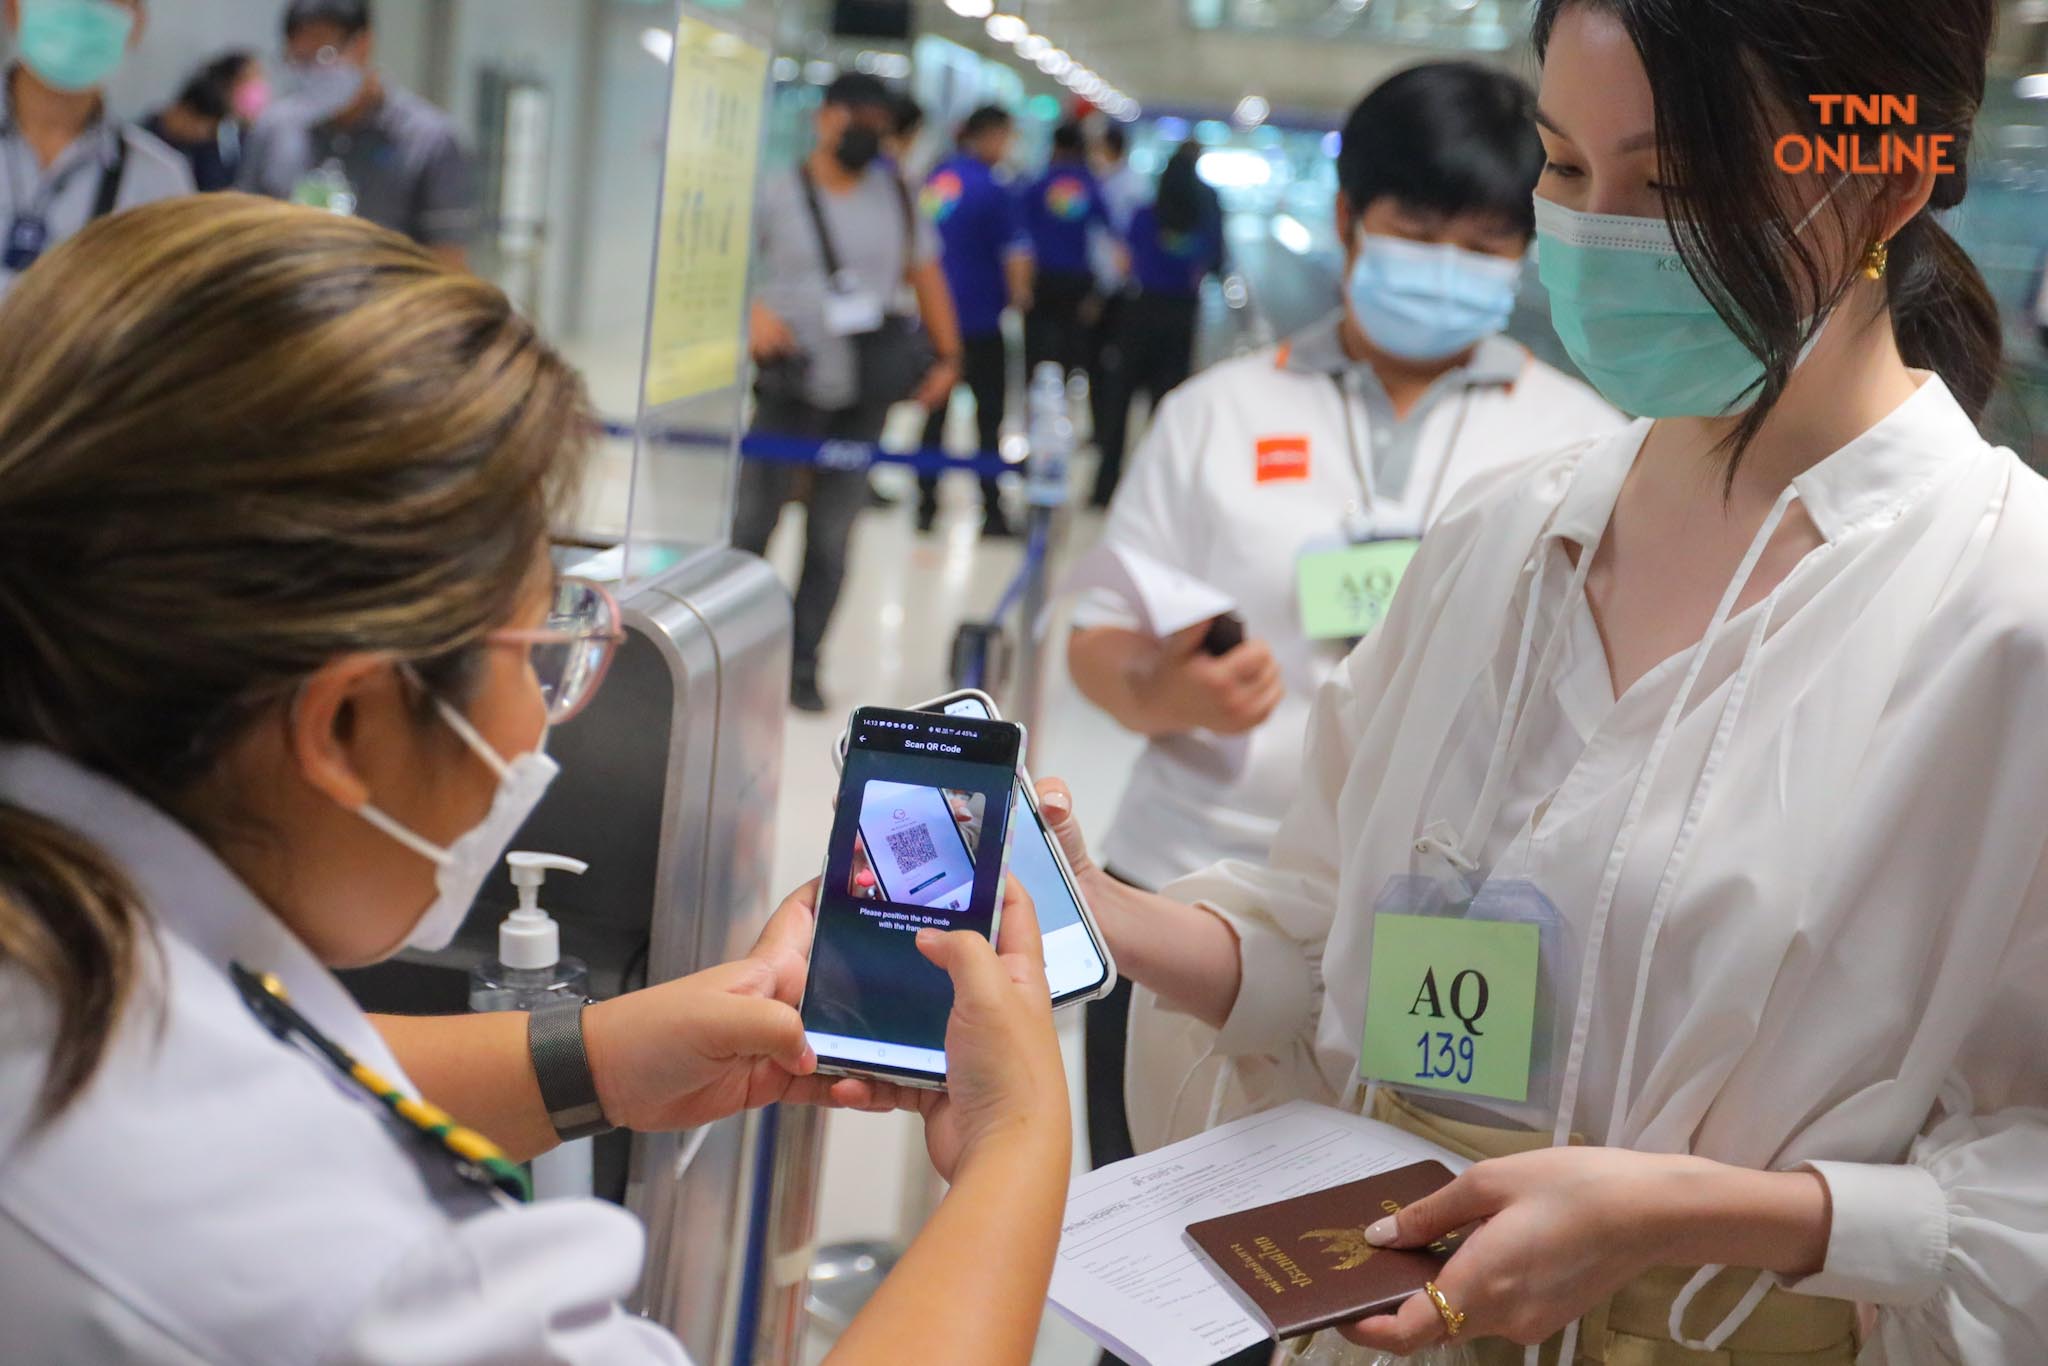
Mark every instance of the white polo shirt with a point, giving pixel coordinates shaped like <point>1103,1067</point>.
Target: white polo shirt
<point>218,1196</point>
<point>1245,466</point>
<point>65,193</point>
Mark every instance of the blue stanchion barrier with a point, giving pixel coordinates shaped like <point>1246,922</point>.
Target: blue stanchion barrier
<point>832,455</point>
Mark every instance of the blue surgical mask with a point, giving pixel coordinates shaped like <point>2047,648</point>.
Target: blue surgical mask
<point>1634,320</point>
<point>74,45</point>
<point>1428,301</point>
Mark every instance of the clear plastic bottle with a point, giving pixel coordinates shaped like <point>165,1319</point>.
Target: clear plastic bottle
<point>530,971</point>
<point>1052,437</point>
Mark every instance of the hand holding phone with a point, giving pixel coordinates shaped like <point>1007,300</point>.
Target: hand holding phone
<point>1004,1070</point>
<point>917,843</point>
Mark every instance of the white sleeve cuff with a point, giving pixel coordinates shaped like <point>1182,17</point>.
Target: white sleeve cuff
<point>1277,991</point>
<point>1890,1234</point>
<point>1100,607</point>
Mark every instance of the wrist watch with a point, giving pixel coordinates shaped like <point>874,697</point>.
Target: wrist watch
<point>554,1036</point>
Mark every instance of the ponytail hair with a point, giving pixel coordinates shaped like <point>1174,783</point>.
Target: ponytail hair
<point>238,440</point>
<point>70,921</point>
<point>1943,313</point>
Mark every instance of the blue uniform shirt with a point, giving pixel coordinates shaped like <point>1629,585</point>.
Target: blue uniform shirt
<point>1164,262</point>
<point>978,223</point>
<point>1061,208</point>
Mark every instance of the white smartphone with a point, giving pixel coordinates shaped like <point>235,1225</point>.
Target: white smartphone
<point>1078,965</point>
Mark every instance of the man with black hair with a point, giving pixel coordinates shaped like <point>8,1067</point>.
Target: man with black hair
<point>837,241</point>
<point>342,136</point>
<point>1064,211</point>
<point>1349,439</point>
<point>988,268</point>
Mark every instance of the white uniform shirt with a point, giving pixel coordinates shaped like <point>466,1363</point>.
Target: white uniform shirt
<point>218,1196</point>
<point>1247,464</point>
<point>1850,971</point>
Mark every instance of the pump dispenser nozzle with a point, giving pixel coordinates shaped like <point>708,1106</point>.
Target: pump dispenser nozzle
<point>529,937</point>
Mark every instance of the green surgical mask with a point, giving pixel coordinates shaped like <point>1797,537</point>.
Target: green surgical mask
<point>74,45</point>
<point>1634,320</point>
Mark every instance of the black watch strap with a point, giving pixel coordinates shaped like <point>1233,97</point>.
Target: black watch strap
<point>554,1035</point>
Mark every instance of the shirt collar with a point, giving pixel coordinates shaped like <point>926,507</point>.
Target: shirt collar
<point>1318,349</point>
<point>1872,478</point>
<point>190,894</point>
<point>102,135</point>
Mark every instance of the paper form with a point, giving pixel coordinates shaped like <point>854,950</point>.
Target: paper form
<point>1127,1275</point>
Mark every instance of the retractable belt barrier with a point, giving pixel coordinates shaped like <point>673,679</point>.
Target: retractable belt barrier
<point>783,449</point>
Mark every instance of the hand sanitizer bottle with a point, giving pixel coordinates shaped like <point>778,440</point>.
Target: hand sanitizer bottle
<point>528,972</point>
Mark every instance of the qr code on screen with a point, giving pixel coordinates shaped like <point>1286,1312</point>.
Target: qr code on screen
<point>912,848</point>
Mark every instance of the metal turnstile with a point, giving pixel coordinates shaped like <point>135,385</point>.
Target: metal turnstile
<point>668,791</point>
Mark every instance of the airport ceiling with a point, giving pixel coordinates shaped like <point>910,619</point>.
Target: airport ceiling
<point>1310,56</point>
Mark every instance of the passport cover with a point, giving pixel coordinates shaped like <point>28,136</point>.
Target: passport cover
<point>1304,1264</point>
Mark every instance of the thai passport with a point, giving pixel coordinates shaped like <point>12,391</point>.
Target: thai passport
<point>1304,1263</point>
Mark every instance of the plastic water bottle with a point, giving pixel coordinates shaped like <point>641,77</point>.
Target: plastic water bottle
<point>327,187</point>
<point>1052,437</point>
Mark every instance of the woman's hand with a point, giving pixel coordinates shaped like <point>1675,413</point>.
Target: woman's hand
<point>1564,1228</point>
<point>720,1041</point>
<point>1005,1083</point>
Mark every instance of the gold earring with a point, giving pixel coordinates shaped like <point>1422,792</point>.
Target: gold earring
<point>1876,260</point>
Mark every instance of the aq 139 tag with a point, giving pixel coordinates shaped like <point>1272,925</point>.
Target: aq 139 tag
<point>1452,1005</point>
<point>1345,592</point>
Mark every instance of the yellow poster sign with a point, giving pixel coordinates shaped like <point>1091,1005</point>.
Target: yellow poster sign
<point>707,208</point>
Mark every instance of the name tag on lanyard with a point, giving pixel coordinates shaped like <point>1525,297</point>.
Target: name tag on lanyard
<point>27,236</point>
<point>1345,591</point>
<point>1451,1005</point>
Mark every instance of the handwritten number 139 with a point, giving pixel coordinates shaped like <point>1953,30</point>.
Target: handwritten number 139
<point>1446,1057</point>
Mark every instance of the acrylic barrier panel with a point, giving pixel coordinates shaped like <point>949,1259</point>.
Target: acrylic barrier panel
<point>686,442</point>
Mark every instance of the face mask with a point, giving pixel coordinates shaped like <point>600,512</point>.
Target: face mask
<point>462,868</point>
<point>74,45</point>
<point>1633,319</point>
<point>324,89</point>
<point>1428,301</point>
<point>252,97</point>
<point>857,147</point>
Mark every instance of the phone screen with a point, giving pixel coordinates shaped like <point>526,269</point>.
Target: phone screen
<point>1074,966</point>
<point>917,840</point>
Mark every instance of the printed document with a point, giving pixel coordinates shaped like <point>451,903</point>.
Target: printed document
<point>1128,1276</point>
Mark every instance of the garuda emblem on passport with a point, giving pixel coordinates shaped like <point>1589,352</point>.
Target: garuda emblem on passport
<point>1347,1245</point>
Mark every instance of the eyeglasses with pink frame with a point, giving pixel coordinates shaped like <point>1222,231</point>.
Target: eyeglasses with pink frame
<point>573,649</point>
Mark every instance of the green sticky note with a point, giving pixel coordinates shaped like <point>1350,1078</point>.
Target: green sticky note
<point>1452,1005</point>
<point>1345,592</point>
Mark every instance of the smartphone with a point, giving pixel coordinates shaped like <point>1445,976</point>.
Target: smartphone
<point>918,840</point>
<point>1078,965</point>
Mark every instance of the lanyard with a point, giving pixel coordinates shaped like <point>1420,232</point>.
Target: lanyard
<point>476,1158</point>
<point>111,175</point>
<point>1362,466</point>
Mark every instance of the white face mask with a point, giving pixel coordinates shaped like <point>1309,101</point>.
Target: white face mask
<point>461,869</point>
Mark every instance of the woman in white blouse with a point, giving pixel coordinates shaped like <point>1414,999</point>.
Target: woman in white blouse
<point>279,647</point>
<point>1741,711</point>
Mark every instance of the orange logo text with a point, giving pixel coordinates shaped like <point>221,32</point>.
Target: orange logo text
<point>1887,152</point>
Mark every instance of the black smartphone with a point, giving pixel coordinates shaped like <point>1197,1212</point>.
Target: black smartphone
<point>1078,965</point>
<point>918,840</point>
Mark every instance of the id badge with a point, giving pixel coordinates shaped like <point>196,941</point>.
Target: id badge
<point>852,313</point>
<point>1344,591</point>
<point>26,238</point>
<point>1451,1004</point>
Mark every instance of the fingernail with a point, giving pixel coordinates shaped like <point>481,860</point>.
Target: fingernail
<point>1383,1233</point>
<point>927,936</point>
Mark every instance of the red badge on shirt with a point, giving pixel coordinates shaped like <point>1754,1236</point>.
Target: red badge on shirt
<point>1282,457</point>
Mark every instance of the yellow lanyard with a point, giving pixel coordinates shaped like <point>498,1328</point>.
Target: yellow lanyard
<point>476,1158</point>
